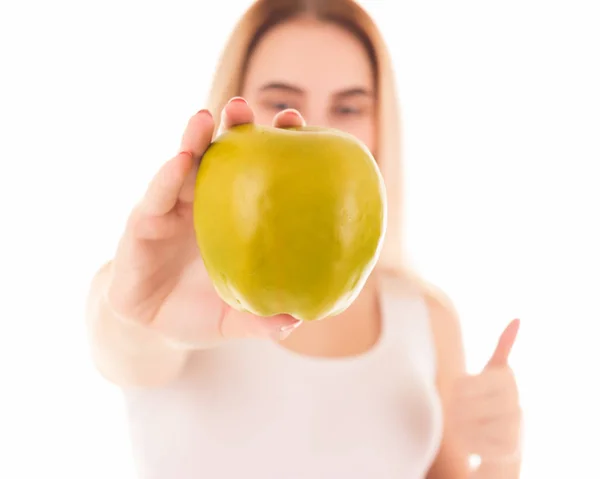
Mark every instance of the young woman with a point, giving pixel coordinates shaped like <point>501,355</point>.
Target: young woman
<point>379,391</point>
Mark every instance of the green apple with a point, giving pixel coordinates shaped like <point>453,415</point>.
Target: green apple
<point>289,221</point>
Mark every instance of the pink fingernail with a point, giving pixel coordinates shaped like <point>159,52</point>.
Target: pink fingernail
<point>238,99</point>
<point>204,111</point>
<point>285,331</point>
<point>291,110</point>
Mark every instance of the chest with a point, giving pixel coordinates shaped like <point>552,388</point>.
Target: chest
<point>277,415</point>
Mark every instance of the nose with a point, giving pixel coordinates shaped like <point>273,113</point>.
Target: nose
<point>317,119</point>
<point>315,112</point>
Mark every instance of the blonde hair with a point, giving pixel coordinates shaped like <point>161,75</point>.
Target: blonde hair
<point>230,72</point>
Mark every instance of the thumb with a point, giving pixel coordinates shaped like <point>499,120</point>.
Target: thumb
<point>237,324</point>
<point>505,345</point>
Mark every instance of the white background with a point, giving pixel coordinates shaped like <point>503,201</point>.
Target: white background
<point>501,111</point>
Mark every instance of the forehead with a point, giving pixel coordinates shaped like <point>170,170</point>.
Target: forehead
<point>313,55</point>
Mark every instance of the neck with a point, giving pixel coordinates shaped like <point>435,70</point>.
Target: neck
<point>350,333</point>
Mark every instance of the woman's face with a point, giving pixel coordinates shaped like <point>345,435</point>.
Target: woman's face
<point>321,70</point>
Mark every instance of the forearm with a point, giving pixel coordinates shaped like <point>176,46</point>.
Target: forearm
<point>125,353</point>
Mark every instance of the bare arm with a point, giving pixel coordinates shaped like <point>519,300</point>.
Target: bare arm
<point>126,353</point>
<point>452,460</point>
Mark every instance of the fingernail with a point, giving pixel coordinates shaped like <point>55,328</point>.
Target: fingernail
<point>204,111</point>
<point>238,99</point>
<point>285,331</point>
<point>290,110</point>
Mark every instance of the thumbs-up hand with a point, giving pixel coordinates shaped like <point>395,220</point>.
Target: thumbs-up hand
<point>486,411</point>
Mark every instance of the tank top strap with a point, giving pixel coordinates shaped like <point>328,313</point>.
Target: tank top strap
<point>406,323</point>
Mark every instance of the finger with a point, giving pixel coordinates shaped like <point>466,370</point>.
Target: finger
<point>198,134</point>
<point>156,227</point>
<point>505,345</point>
<point>288,119</point>
<point>493,440</point>
<point>489,382</point>
<point>164,189</point>
<point>237,324</point>
<point>196,139</point>
<point>236,112</point>
<point>486,408</point>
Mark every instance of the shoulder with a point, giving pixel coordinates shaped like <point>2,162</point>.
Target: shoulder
<point>442,312</point>
<point>443,316</point>
<point>443,319</point>
<point>446,331</point>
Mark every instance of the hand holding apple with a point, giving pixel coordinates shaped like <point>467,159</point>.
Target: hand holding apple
<point>157,277</point>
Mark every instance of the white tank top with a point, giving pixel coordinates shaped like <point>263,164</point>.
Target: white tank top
<point>253,409</point>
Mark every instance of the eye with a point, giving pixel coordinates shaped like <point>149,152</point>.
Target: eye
<point>281,105</point>
<point>347,110</point>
